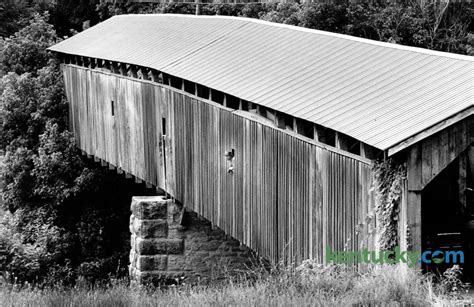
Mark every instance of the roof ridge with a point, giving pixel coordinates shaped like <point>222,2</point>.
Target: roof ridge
<point>431,52</point>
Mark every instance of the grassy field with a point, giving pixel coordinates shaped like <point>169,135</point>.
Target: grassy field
<point>310,286</point>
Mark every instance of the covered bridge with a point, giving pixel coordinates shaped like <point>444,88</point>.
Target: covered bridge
<point>269,130</point>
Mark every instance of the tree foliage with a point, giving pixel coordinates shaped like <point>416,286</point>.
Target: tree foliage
<point>10,13</point>
<point>64,217</point>
<point>67,15</point>
<point>28,102</point>
<point>443,27</point>
<point>25,51</point>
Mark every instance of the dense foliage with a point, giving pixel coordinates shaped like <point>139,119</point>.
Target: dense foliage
<point>389,178</point>
<point>25,51</point>
<point>66,15</point>
<point>65,217</point>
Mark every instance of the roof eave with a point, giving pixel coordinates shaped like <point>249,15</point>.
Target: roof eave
<point>430,131</point>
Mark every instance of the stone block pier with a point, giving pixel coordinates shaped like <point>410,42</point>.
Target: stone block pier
<point>170,244</point>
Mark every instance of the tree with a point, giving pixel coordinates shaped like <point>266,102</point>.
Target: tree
<point>449,25</point>
<point>10,14</point>
<point>66,215</point>
<point>67,15</point>
<point>41,169</point>
<point>28,102</point>
<point>25,51</point>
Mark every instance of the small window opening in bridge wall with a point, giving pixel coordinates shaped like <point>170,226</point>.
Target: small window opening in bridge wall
<point>176,82</point>
<point>252,108</point>
<point>115,68</point>
<point>163,126</point>
<point>112,107</point>
<point>107,66</point>
<point>232,102</point>
<point>217,97</point>
<point>280,120</point>
<point>353,145</point>
<point>142,73</point>
<point>166,79</point>
<point>202,91</point>
<point>289,121</point>
<point>305,128</point>
<point>244,105</point>
<point>92,63</point>
<point>266,113</point>
<point>189,87</point>
<point>156,76</point>
<point>146,73</point>
<point>230,154</point>
<point>330,137</point>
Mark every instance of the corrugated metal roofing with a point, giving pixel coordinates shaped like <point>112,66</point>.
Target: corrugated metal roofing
<point>378,93</point>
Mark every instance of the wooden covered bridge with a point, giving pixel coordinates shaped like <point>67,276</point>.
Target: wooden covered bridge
<point>269,130</point>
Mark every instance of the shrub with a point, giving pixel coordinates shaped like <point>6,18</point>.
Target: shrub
<point>29,248</point>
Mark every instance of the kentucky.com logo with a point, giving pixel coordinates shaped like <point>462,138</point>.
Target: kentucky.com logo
<point>395,256</point>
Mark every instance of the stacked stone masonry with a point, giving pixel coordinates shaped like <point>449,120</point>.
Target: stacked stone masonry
<point>171,245</point>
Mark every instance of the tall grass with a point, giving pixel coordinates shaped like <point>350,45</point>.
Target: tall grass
<point>307,285</point>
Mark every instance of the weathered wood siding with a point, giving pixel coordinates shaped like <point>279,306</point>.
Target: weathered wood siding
<point>437,151</point>
<point>426,160</point>
<point>288,197</point>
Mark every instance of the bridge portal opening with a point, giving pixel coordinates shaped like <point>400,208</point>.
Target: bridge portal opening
<point>448,215</point>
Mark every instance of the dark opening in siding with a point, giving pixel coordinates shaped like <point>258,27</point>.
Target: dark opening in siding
<point>289,122</point>
<point>176,82</point>
<point>217,97</point>
<point>245,105</point>
<point>112,107</point>
<point>232,102</point>
<point>189,87</point>
<point>330,137</point>
<point>353,145</point>
<point>166,79</point>
<point>306,128</point>
<point>202,91</point>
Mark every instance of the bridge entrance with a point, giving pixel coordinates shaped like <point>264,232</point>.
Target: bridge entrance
<point>448,213</point>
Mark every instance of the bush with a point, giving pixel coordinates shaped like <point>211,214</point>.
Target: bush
<point>28,249</point>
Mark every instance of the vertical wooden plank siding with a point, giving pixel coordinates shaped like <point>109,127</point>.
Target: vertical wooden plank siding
<point>286,198</point>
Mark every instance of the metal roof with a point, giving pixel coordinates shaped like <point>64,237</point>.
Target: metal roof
<point>378,93</point>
